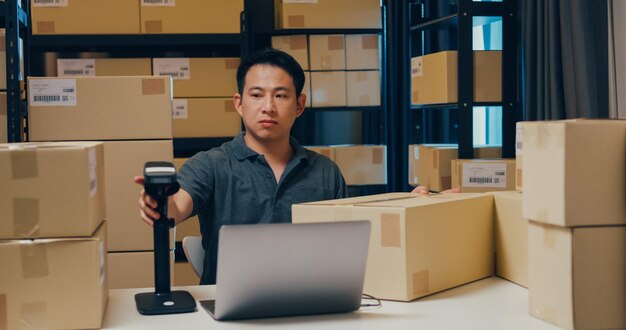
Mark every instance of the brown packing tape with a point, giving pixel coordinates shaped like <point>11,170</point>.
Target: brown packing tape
<point>415,96</point>
<point>3,44</point>
<point>34,259</point>
<point>335,42</point>
<point>231,63</point>
<point>364,100</point>
<point>4,315</point>
<point>435,159</point>
<point>46,27</point>
<point>33,315</point>
<point>24,164</point>
<point>152,86</point>
<point>297,42</point>
<point>390,230</point>
<point>154,26</point>
<point>229,106</point>
<point>446,182</point>
<point>421,282</point>
<point>3,103</point>
<point>295,21</point>
<point>549,238</point>
<point>369,42</point>
<point>25,217</point>
<point>377,156</point>
<point>518,177</point>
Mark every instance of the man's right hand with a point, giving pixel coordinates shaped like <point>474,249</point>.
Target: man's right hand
<point>147,204</point>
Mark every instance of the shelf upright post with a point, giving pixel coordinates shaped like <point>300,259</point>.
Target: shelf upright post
<point>509,79</point>
<point>16,113</point>
<point>465,79</point>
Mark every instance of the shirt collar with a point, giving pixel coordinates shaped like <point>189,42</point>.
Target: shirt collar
<point>242,151</point>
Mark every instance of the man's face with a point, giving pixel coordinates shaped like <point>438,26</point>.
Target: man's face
<point>268,105</point>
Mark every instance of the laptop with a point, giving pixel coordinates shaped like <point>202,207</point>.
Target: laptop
<point>274,270</point>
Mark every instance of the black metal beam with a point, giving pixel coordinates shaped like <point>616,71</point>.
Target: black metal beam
<point>465,58</point>
<point>510,103</point>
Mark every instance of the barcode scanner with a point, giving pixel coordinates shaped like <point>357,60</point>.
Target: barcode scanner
<point>160,182</point>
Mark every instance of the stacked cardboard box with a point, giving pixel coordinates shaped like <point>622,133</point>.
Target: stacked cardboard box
<point>483,175</point>
<point>411,253</point>
<point>359,164</point>
<point>203,91</point>
<point>327,14</point>
<point>133,115</point>
<point>430,164</point>
<point>519,150</point>
<point>574,196</point>
<point>435,77</point>
<point>52,235</point>
<point>190,16</point>
<point>511,237</point>
<point>103,67</point>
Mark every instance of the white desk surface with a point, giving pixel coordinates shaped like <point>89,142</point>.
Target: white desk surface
<point>491,303</point>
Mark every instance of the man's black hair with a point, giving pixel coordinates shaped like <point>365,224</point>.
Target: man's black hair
<point>276,58</point>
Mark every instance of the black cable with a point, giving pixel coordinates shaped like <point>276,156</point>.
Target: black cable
<point>367,296</point>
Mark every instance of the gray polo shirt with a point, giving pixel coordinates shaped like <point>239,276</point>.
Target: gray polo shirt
<point>233,184</point>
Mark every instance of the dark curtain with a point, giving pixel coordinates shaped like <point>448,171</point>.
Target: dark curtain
<point>564,59</point>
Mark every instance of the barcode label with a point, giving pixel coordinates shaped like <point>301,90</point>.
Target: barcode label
<point>158,3</point>
<point>416,153</point>
<point>180,109</point>
<point>52,92</point>
<point>301,1</point>
<point>416,67</point>
<point>92,162</point>
<point>519,136</point>
<point>484,175</point>
<point>76,67</point>
<point>50,3</point>
<point>177,68</point>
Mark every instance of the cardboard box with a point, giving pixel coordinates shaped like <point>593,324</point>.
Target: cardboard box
<point>4,133</point>
<point>327,52</point>
<point>104,67</point>
<point>199,77</point>
<point>191,16</point>
<point>362,14</point>
<point>58,283</point>
<point>363,88</point>
<point>51,189</point>
<point>123,161</point>
<point>568,162</point>
<point>511,237</point>
<point>362,52</point>
<point>430,164</point>
<point>328,89</point>
<point>100,108</point>
<point>306,89</point>
<point>435,77</point>
<point>205,117</point>
<point>576,275</point>
<point>296,46</point>
<point>418,245</point>
<point>483,175</point>
<point>191,226</point>
<point>85,17</point>
<point>362,164</point>
<point>327,151</point>
<point>184,274</point>
<point>519,137</point>
<point>134,270</point>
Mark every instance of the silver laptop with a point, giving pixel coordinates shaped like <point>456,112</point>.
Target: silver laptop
<point>271,270</point>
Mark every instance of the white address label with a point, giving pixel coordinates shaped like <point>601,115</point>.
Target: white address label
<point>484,175</point>
<point>177,68</point>
<point>76,67</point>
<point>180,109</point>
<point>158,3</point>
<point>519,137</point>
<point>416,67</point>
<point>52,92</point>
<point>50,3</point>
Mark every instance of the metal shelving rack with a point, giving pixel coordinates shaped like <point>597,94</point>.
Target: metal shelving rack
<point>15,19</point>
<point>260,27</point>
<point>459,22</point>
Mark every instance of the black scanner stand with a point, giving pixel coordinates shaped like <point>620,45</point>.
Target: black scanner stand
<point>160,185</point>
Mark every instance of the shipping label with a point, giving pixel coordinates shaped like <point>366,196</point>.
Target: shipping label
<point>50,3</point>
<point>180,109</point>
<point>177,68</point>
<point>484,175</point>
<point>52,92</point>
<point>76,67</point>
<point>158,3</point>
